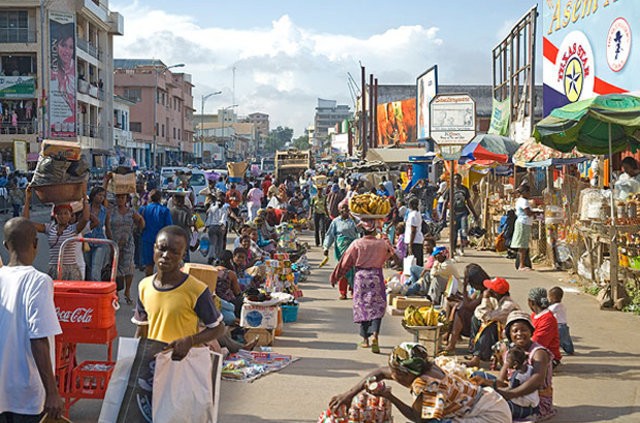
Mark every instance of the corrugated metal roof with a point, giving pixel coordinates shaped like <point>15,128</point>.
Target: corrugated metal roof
<point>134,63</point>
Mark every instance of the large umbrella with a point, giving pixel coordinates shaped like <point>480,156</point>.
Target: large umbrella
<point>604,124</point>
<point>533,154</point>
<point>489,147</point>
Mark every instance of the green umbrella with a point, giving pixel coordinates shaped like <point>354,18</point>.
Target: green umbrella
<point>604,124</point>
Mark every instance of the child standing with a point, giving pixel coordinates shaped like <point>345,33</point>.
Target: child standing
<point>521,371</point>
<point>560,312</point>
<point>401,247</point>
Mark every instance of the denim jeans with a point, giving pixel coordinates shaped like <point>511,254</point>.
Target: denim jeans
<point>462,223</point>
<point>416,288</point>
<point>95,258</point>
<point>565,338</point>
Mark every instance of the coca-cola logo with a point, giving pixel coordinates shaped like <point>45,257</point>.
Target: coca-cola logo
<point>79,315</point>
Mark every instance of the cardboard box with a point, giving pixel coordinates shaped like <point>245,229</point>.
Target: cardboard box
<point>265,336</point>
<point>204,273</point>
<point>123,184</point>
<point>261,317</point>
<point>403,302</point>
<point>391,296</point>
<point>392,311</point>
<point>66,149</point>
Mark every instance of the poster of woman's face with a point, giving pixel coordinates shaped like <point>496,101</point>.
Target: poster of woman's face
<point>62,82</point>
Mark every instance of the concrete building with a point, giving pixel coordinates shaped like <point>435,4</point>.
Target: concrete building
<point>124,144</point>
<point>261,121</point>
<point>70,60</point>
<point>223,141</point>
<point>163,107</point>
<point>328,113</point>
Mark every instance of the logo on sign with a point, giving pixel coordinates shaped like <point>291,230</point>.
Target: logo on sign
<point>618,44</point>
<point>79,315</point>
<point>575,66</point>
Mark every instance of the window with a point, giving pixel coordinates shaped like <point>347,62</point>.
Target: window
<point>157,128</point>
<point>174,133</point>
<point>135,126</point>
<point>133,94</point>
<point>163,129</point>
<point>14,27</point>
<point>178,134</point>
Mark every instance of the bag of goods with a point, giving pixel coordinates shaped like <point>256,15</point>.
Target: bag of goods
<point>369,204</point>
<point>237,169</point>
<point>122,184</point>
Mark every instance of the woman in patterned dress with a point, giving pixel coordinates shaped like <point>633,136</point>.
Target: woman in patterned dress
<point>123,222</point>
<point>366,256</point>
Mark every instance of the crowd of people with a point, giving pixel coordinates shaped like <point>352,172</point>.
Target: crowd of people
<point>157,232</point>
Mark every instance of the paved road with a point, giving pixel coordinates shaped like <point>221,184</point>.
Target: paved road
<point>599,384</point>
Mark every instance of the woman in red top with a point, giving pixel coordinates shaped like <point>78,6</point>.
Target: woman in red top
<point>545,324</point>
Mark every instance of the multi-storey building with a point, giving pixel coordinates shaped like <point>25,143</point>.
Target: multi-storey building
<point>328,113</point>
<point>163,111</point>
<point>261,121</point>
<point>56,73</point>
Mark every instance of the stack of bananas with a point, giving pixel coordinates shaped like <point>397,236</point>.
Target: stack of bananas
<point>423,316</point>
<point>369,204</point>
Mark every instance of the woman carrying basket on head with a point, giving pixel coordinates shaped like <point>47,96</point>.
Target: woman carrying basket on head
<point>367,256</point>
<point>342,232</point>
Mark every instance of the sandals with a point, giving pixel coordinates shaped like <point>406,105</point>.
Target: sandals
<point>365,345</point>
<point>128,300</point>
<point>375,348</point>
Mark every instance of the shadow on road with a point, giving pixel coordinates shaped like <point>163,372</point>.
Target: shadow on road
<point>590,413</point>
<point>319,367</point>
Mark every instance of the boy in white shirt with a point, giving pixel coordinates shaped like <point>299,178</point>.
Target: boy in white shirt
<point>560,313</point>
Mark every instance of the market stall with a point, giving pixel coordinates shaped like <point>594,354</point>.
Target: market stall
<point>602,125</point>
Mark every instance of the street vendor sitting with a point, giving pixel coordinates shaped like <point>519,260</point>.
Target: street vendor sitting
<point>629,181</point>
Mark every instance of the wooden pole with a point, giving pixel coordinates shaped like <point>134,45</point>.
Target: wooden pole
<point>363,115</point>
<point>371,112</point>
<point>452,219</point>
<point>375,112</point>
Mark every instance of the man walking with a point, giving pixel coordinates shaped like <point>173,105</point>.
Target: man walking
<point>461,207</point>
<point>29,323</point>
<point>413,236</point>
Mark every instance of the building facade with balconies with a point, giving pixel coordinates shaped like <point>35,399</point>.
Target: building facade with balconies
<point>56,76</point>
<point>146,82</point>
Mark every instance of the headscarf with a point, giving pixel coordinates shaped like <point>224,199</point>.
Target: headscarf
<point>409,357</point>
<point>539,297</point>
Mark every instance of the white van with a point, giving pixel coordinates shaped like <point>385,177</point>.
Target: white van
<point>198,181</point>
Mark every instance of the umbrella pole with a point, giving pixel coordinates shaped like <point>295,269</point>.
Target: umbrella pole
<point>613,249</point>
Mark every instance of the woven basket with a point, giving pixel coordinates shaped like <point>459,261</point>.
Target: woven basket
<point>59,193</point>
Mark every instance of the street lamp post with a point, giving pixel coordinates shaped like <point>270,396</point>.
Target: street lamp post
<point>158,71</point>
<point>204,98</point>
<point>224,139</point>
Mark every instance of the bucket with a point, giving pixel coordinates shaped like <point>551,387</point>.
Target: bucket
<point>289,313</point>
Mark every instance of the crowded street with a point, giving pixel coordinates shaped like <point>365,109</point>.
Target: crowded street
<point>336,212</point>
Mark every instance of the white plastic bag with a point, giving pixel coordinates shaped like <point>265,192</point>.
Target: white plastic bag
<point>127,348</point>
<point>407,262</point>
<point>187,390</point>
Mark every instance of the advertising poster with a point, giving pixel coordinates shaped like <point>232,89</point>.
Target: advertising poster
<point>427,88</point>
<point>500,117</point>
<point>397,122</point>
<point>588,49</point>
<point>62,74</point>
<point>17,87</point>
<point>20,155</point>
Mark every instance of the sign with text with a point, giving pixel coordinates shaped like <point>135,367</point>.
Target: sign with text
<point>62,74</point>
<point>453,119</point>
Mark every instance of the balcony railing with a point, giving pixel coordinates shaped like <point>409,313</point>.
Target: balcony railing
<point>17,35</point>
<point>89,48</point>
<point>88,130</point>
<point>23,128</point>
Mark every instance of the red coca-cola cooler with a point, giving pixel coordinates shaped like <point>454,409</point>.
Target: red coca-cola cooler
<point>90,305</point>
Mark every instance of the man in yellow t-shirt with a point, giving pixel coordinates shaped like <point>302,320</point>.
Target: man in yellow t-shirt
<point>172,303</point>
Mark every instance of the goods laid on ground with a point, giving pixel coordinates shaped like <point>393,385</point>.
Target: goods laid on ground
<point>369,205</point>
<point>247,366</point>
<point>402,302</point>
<point>60,173</point>
<point>364,408</point>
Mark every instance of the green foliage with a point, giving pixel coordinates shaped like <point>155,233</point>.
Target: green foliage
<point>278,138</point>
<point>634,298</point>
<point>302,143</point>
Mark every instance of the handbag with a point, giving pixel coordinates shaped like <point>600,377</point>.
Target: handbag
<point>500,243</point>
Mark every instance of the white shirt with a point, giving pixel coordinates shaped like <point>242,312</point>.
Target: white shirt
<point>442,188</point>
<point>529,400</point>
<point>521,205</point>
<point>217,215</point>
<point>26,312</point>
<point>560,312</point>
<point>413,219</point>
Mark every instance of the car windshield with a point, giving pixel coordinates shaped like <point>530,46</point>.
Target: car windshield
<point>198,179</point>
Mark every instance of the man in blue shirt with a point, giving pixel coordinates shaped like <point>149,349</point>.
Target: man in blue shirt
<point>156,216</point>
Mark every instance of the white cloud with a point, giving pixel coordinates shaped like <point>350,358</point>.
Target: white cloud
<point>282,68</point>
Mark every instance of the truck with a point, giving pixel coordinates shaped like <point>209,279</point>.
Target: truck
<point>292,163</point>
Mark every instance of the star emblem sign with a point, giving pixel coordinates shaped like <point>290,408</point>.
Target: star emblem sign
<point>573,80</point>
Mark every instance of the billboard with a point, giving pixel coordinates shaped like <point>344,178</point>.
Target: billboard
<point>426,90</point>
<point>453,119</point>
<point>62,74</point>
<point>17,87</point>
<point>588,50</point>
<point>397,122</point>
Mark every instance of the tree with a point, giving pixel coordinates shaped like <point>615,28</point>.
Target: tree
<point>278,138</point>
<point>302,142</point>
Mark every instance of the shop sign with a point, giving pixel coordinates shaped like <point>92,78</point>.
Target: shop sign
<point>16,87</point>
<point>453,119</point>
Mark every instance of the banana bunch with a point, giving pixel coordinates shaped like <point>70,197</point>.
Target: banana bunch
<point>423,316</point>
<point>369,204</point>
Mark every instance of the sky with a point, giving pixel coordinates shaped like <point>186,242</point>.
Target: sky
<point>289,53</point>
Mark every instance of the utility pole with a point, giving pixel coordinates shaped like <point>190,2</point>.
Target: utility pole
<point>363,115</point>
<point>371,112</point>
<point>375,113</point>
